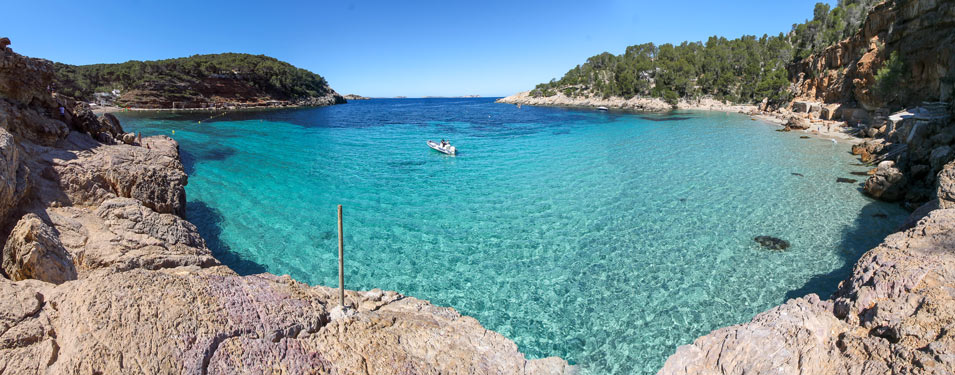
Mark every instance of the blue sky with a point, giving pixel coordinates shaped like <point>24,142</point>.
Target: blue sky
<point>387,48</point>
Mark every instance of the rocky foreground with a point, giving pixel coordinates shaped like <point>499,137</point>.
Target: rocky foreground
<point>103,275</point>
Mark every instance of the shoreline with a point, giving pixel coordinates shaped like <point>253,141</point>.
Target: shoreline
<point>823,129</point>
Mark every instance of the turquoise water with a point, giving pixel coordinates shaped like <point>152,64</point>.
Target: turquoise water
<point>607,239</point>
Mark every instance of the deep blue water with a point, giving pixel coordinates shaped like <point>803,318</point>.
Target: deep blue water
<point>605,238</point>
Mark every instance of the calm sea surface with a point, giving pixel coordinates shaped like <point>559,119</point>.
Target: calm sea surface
<point>608,239</point>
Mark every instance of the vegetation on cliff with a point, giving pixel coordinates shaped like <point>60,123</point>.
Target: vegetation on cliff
<point>198,78</point>
<point>746,69</point>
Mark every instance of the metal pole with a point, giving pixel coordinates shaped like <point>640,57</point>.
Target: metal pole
<point>341,258</point>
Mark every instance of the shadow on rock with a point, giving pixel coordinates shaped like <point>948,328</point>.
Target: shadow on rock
<point>857,239</point>
<point>208,220</point>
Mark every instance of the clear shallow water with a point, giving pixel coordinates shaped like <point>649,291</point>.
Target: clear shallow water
<point>607,239</point>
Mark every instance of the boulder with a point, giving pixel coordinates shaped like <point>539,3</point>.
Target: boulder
<point>828,112</point>
<point>946,186</point>
<point>129,138</point>
<point>111,125</point>
<point>33,251</point>
<point>94,173</point>
<point>84,119</point>
<point>888,183</point>
<point>4,42</point>
<point>796,122</point>
<point>801,107</point>
<point>939,156</point>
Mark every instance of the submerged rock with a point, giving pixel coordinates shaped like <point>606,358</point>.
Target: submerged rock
<point>846,180</point>
<point>772,243</point>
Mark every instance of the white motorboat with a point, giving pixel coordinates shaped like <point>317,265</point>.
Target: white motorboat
<point>602,109</point>
<point>447,149</point>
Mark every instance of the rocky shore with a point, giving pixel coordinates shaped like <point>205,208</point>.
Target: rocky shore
<point>895,314</point>
<point>103,274</point>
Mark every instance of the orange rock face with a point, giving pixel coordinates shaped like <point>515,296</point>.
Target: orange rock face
<point>922,32</point>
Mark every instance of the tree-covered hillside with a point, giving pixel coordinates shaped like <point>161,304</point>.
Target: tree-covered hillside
<point>194,78</point>
<point>742,70</point>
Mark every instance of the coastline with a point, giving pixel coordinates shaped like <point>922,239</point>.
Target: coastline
<point>830,130</point>
<point>100,109</point>
<point>104,274</point>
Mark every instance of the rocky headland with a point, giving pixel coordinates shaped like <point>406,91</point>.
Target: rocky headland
<point>217,81</point>
<point>103,274</point>
<point>355,97</point>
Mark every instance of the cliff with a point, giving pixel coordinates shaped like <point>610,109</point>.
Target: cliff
<point>102,274</point>
<point>200,81</point>
<point>920,32</point>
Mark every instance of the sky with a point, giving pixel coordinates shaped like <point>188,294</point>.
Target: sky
<point>388,48</point>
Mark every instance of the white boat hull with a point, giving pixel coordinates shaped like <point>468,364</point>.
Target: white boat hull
<point>449,150</point>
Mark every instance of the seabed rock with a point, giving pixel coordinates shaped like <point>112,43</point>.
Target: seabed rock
<point>772,243</point>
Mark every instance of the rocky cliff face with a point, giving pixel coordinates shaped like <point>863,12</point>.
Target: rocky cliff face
<point>102,274</point>
<point>921,32</point>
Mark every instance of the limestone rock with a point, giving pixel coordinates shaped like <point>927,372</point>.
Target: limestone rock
<point>111,125</point>
<point>4,42</point>
<point>25,80</point>
<point>33,251</point>
<point>13,176</point>
<point>939,156</point>
<point>94,173</point>
<point>888,183</point>
<point>946,186</point>
<point>202,322</point>
<point>122,234</point>
<point>31,124</point>
<point>796,122</point>
<point>801,107</point>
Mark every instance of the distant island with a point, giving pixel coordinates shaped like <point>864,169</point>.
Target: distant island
<point>199,81</point>
<point>355,97</point>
